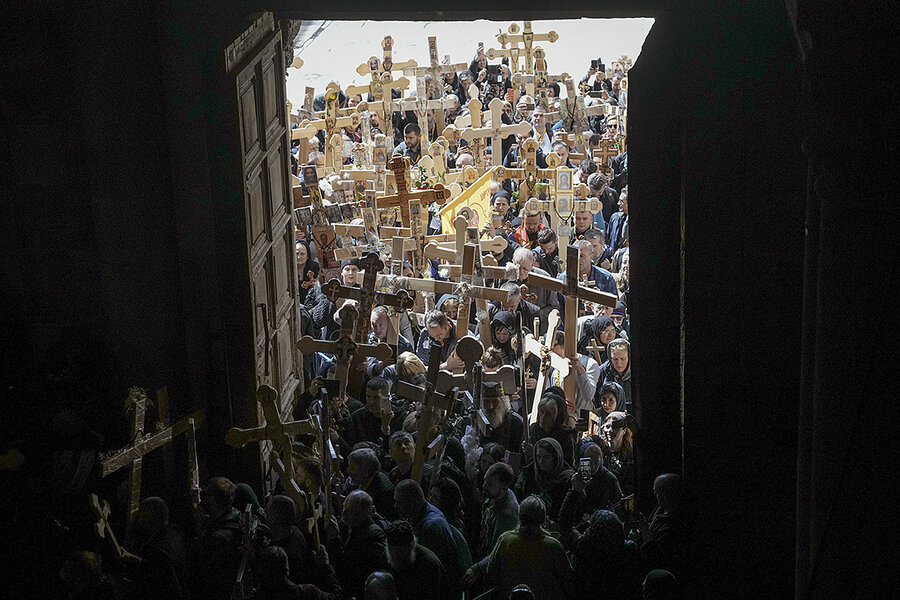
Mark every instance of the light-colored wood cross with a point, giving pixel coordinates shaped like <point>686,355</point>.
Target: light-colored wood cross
<point>528,174</point>
<point>401,199</point>
<point>436,70</point>
<point>513,54</point>
<point>506,375</point>
<point>527,38</point>
<point>573,291</point>
<point>496,131</point>
<point>334,140</point>
<point>543,349</point>
<point>602,155</point>
<point>105,532</point>
<point>280,433</point>
<point>323,234</point>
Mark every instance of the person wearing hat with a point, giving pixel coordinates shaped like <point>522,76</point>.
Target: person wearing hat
<point>417,571</point>
<point>505,426</point>
<point>620,319</point>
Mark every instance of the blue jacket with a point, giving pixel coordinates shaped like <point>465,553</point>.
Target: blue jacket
<point>614,230</point>
<point>603,281</point>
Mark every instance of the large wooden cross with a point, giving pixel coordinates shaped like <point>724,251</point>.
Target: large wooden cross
<point>496,131</point>
<point>543,349</point>
<point>280,433</point>
<point>506,375</point>
<point>403,196</point>
<point>573,291</point>
<point>529,173</point>
<point>366,296</point>
<point>436,70</point>
<point>323,234</point>
<point>527,38</point>
<point>142,443</point>
<point>345,350</point>
<point>334,140</point>
<point>574,117</point>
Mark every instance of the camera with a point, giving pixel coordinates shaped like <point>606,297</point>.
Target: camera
<point>493,74</point>
<point>585,471</point>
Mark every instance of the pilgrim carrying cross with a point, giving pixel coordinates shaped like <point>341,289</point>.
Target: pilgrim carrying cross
<point>543,349</point>
<point>573,291</point>
<point>403,196</point>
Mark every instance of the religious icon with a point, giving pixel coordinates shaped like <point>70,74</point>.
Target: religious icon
<point>333,213</point>
<point>303,216</point>
<point>564,205</point>
<point>347,211</point>
<point>309,173</point>
<point>337,196</point>
<point>564,181</point>
<point>373,64</point>
<point>380,155</point>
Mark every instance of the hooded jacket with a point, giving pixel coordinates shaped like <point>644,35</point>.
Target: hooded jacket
<point>564,435</point>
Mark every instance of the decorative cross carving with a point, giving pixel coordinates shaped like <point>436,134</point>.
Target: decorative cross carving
<point>401,199</point>
<point>527,38</point>
<point>496,131</point>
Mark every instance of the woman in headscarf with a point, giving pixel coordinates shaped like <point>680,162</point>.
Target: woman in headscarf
<point>601,330</point>
<point>617,368</point>
<point>610,396</point>
<point>503,328</point>
<point>551,422</point>
<point>306,264</point>
<point>550,476</point>
<point>617,441</point>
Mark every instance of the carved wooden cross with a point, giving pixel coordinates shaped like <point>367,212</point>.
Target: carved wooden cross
<point>528,174</point>
<point>574,117</point>
<point>543,349</point>
<point>527,38</point>
<point>274,430</point>
<point>366,296</point>
<point>104,531</point>
<point>496,131</point>
<point>434,406</point>
<point>436,70</point>
<point>573,291</point>
<point>322,233</point>
<point>333,124</point>
<point>607,150</point>
<point>142,443</point>
<point>435,286</point>
<point>403,196</point>
<point>345,349</point>
<point>420,105</point>
<point>512,54</point>
<point>505,375</point>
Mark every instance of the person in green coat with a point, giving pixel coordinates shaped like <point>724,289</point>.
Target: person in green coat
<point>528,555</point>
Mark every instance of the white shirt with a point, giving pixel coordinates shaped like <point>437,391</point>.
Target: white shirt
<point>585,384</point>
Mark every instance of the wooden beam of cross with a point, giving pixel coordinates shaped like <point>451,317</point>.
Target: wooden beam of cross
<point>496,131</point>
<point>506,375</point>
<point>434,406</point>
<point>573,291</point>
<point>469,350</point>
<point>602,155</point>
<point>300,497</point>
<point>435,286</point>
<point>508,272</point>
<point>280,433</point>
<point>142,443</point>
<point>333,124</point>
<point>574,117</point>
<point>105,532</point>
<point>542,79</point>
<point>403,196</point>
<point>436,70</point>
<point>345,350</point>
<point>420,105</point>
<point>513,54</point>
<point>543,349</point>
<point>366,296</point>
<point>529,173</point>
<point>322,233</point>
<point>527,38</point>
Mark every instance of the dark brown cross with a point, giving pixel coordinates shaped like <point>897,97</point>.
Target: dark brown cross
<point>573,291</point>
<point>278,432</point>
<point>434,405</point>
<point>366,296</point>
<point>401,199</point>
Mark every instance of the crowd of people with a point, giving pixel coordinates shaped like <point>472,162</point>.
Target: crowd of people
<point>508,508</point>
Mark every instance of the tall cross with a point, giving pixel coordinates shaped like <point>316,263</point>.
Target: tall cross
<point>344,348</point>
<point>573,115</point>
<point>366,296</point>
<point>528,174</point>
<point>322,233</point>
<point>142,443</point>
<point>573,291</point>
<point>496,131</point>
<point>280,433</point>
<point>403,196</point>
<point>543,349</point>
<point>334,140</point>
<point>527,38</point>
<point>436,70</point>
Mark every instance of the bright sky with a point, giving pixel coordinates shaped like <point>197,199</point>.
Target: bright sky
<point>343,45</point>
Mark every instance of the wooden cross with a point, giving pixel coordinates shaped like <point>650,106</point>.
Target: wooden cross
<point>434,405</point>
<point>436,70</point>
<point>142,443</point>
<point>527,38</point>
<point>543,349</point>
<point>345,349</point>
<point>366,296</point>
<point>574,117</point>
<point>333,124</point>
<point>573,291</point>
<point>382,83</point>
<point>300,498</point>
<point>506,375</point>
<point>193,465</point>
<point>323,234</point>
<point>435,286</point>
<point>403,196</point>
<point>104,531</point>
<point>529,173</point>
<point>607,150</point>
<point>512,54</point>
<point>420,105</point>
<point>496,131</point>
<point>280,433</point>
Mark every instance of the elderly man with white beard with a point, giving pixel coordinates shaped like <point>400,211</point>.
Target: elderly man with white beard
<point>506,427</point>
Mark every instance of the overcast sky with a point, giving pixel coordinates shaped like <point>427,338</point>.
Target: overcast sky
<point>341,46</point>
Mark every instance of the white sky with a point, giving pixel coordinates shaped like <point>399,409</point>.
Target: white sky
<point>344,45</point>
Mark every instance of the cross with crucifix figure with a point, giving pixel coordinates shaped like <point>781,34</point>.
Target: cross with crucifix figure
<point>142,443</point>
<point>527,38</point>
<point>573,292</point>
<point>280,433</point>
<point>543,349</point>
<point>496,131</point>
<point>399,165</point>
<point>105,532</point>
<point>346,351</point>
<point>366,296</point>
<point>528,174</point>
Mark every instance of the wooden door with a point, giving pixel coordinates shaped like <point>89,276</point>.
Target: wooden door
<point>256,59</point>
